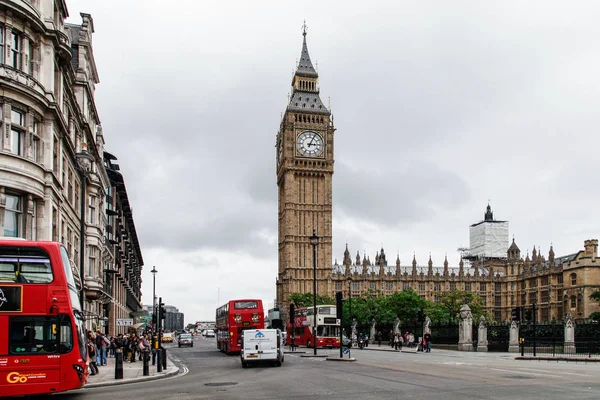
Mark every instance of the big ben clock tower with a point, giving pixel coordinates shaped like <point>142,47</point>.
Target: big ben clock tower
<point>304,178</point>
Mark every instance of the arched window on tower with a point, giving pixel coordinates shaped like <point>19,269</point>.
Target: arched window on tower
<point>580,304</point>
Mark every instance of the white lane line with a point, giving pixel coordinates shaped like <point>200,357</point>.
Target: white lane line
<point>526,372</point>
<point>556,372</point>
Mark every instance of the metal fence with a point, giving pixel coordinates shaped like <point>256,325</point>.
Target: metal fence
<point>558,349</point>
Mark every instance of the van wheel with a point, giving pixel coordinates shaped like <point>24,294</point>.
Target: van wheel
<point>278,363</point>
<point>244,365</point>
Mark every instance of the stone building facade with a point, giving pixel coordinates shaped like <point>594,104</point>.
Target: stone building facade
<point>48,115</point>
<point>557,285</point>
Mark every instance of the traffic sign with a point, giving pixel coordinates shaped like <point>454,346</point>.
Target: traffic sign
<point>346,350</point>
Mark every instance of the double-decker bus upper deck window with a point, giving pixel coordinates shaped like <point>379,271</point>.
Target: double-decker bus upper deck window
<point>33,335</point>
<point>25,265</point>
<point>245,305</point>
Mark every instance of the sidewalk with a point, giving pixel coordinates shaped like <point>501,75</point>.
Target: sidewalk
<point>375,347</point>
<point>132,372</point>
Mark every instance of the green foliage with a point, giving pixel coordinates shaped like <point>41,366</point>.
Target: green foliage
<point>595,295</point>
<point>306,299</point>
<point>595,316</point>
<point>452,301</point>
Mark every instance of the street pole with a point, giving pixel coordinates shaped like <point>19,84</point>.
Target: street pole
<point>314,240</point>
<point>534,322</point>
<point>154,322</point>
<point>350,314</point>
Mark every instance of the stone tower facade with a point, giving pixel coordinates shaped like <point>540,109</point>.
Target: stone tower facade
<point>304,154</point>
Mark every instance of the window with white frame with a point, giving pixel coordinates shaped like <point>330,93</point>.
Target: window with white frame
<point>373,286</point>
<point>338,286</point>
<point>355,286</point>
<point>15,59</point>
<point>389,286</point>
<point>35,146</point>
<point>13,216</point>
<point>92,261</point>
<point>92,210</point>
<point>17,131</point>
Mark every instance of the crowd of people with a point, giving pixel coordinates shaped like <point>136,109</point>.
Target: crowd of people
<point>101,346</point>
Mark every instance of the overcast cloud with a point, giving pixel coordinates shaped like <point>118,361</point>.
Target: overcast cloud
<point>439,106</point>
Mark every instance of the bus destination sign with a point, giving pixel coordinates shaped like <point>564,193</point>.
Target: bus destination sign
<point>11,298</point>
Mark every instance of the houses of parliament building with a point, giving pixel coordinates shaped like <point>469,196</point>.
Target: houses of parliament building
<point>491,268</point>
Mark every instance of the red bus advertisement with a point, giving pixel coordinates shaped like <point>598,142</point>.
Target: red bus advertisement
<point>43,348</point>
<point>234,317</point>
<point>328,329</point>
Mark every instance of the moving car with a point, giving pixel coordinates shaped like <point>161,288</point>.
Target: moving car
<point>209,333</point>
<point>261,345</point>
<point>167,337</point>
<point>185,339</point>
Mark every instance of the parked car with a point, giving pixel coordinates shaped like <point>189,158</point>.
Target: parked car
<point>185,339</point>
<point>209,333</point>
<point>167,337</point>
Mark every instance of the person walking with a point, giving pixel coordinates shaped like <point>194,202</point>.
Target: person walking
<point>91,348</point>
<point>427,342</point>
<point>378,337</point>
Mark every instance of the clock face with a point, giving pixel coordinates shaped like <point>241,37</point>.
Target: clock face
<point>309,144</point>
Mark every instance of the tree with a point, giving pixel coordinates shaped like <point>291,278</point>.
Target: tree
<point>595,295</point>
<point>455,299</point>
<point>306,299</point>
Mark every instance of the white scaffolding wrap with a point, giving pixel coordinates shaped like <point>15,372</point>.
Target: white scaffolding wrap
<point>489,239</point>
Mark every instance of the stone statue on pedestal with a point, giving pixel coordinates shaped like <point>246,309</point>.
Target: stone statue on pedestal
<point>465,333</point>
<point>482,342</point>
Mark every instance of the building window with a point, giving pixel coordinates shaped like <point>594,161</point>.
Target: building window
<point>70,186</point>
<point>13,216</point>
<point>498,287</point>
<point>405,286</point>
<point>467,286</point>
<point>560,279</point>
<point>436,298</point>
<point>573,302</point>
<point>544,280</point>
<point>532,297</point>
<point>15,60</point>
<point>92,261</point>
<point>452,286</point>
<point>35,146</point>
<point>484,300</point>
<point>355,286</point>
<point>54,224</point>
<point>498,301</point>
<point>573,279</point>
<point>338,286</point>
<point>2,44</point>
<point>533,283</point>
<point>17,131</point>
<point>482,287</point>
<point>545,314</point>
<point>422,286</point>
<point>512,300</point>
<point>34,222</point>
<point>373,286</point>
<point>389,286</point>
<point>545,296</point>
<point>437,287</point>
<point>498,316</point>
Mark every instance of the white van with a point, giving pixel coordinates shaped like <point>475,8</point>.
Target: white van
<point>262,345</point>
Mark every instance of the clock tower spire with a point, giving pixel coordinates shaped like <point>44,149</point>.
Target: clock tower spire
<point>304,178</point>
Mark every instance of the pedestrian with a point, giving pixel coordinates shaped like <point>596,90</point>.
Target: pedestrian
<point>427,342</point>
<point>293,343</point>
<point>378,336</point>
<point>91,348</point>
<point>396,341</point>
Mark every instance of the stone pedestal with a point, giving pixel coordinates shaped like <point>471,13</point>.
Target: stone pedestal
<point>513,344</point>
<point>373,332</point>
<point>569,335</point>
<point>482,342</point>
<point>465,332</point>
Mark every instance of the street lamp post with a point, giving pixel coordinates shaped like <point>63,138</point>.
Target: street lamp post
<point>350,309</point>
<point>84,166</point>
<point>154,271</point>
<point>314,240</point>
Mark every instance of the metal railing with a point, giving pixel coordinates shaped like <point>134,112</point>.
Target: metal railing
<point>558,349</point>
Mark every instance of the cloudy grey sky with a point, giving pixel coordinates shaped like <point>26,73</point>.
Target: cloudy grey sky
<point>439,106</point>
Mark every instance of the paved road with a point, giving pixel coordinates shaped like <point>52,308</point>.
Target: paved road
<point>376,375</point>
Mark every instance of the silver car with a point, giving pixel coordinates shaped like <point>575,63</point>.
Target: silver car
<point>185,339</point>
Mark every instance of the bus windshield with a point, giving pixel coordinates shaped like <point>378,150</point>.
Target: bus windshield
<point>25,265</point>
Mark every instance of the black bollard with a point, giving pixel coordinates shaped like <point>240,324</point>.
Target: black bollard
<point>159,364</point>
<point>119,364</point>
<point>146,366</point>
<point>164,358</point>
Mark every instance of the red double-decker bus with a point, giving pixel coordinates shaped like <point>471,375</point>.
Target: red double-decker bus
<point>326,324</point>
<point>235,316</point>
<point>42,342</point>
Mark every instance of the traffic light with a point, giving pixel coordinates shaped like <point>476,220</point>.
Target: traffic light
<point>338,305</point>
<point>163,312</point>
<point>515,314</point>
<point>292,311</point>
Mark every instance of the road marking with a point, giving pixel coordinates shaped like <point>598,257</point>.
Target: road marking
<point>526,372</point>
<point>556,372</point>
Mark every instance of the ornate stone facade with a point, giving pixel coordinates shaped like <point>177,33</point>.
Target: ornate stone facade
<point>557,285</point>
<point>47,115</point>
